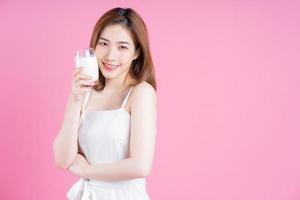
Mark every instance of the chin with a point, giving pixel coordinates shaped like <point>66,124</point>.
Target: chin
<point>113,74</point>
<point>110,75</point>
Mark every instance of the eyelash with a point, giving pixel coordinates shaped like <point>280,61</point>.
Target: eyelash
<point>102,43</point>
<point>105,44</point>
<point>123,48</point>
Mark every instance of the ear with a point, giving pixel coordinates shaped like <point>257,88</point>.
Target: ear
<point>136,54</point>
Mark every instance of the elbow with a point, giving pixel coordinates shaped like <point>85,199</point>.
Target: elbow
<point>62,161</point>
<point>61,164</point>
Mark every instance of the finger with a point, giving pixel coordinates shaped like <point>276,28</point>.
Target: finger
<point>82,78</point>
<point>85,83</point>
<point>77,70</point>
<point>88,83</point>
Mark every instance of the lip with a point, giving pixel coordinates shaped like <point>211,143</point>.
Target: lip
<point>109,67</point>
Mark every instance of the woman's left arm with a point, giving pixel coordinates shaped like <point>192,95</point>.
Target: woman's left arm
<point>142,142</point>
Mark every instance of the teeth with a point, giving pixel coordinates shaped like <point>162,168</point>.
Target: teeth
<point>111,66</point>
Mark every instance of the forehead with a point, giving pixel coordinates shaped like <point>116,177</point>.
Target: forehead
<point>116,33</point>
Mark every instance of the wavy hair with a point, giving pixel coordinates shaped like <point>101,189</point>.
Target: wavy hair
<point>142,68</point>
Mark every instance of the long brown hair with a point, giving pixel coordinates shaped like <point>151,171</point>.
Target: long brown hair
<point>142,68</point>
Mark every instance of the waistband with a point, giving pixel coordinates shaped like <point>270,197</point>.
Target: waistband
<point>118,184</point>
<point>84,189</point>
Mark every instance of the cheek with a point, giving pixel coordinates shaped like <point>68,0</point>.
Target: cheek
<point>99,53</point>
<point>126,57</point>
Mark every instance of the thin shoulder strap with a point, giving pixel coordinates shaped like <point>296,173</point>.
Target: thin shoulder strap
<point>126,98</point>
<point>86,98</point>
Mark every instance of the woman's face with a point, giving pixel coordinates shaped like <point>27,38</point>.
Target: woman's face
<point>115,51</point>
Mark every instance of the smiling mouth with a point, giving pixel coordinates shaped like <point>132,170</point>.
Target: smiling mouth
<point>110,67</point>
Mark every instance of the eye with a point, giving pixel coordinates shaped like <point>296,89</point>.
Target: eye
<point>102,43</point>
<point>123,48</point>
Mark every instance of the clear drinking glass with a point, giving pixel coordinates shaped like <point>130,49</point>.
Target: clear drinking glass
<point>86,58</point>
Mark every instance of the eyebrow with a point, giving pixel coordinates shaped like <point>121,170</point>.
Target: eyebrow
<point>120,42</point>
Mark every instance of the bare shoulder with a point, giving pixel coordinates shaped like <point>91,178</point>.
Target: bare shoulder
<point>143,94</point>
<point>143,88</point>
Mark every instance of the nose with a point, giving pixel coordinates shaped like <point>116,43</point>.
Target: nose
<point>111,54</point>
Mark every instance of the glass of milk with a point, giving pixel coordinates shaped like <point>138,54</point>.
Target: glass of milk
<point>86,58</point>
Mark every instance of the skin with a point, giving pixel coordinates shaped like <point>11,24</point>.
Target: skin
<point>115,47</point>
<point>141,105</point>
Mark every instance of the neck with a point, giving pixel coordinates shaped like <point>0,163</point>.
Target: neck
<point>117,84</point>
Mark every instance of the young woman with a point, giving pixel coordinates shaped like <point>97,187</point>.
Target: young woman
<point>110,142</point>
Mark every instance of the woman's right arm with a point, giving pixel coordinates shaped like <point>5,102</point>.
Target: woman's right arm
<point>65,145</point>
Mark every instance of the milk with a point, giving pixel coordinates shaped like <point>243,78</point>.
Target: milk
<point>89,64</point>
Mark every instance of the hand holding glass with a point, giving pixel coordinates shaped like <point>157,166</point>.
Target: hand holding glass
<point>86,58</point>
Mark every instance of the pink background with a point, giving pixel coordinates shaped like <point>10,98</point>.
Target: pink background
<point>228,90</point>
